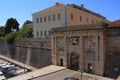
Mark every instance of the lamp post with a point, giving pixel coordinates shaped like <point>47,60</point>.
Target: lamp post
<point>116,70</point>
<point>81,74</point>
<point>81,71</point>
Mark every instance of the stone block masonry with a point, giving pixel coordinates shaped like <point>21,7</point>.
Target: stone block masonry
<point>36,57</point>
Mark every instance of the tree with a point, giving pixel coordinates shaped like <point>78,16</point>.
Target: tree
<point>11,25</point>
<point>27,23</point>
<point>26,32</point>
<point>1,31</point>
<point>104,24</point>
<point>10,37</point>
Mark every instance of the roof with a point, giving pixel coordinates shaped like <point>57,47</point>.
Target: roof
<point>57,5</point>
<point>115,23</point>
<point>78,27</point>
<point>86,10</point>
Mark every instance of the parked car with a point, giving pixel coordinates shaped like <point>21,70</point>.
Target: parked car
<point>20,71</point>
<point>2,77</point>
<point>71,78</point>
<point>6,66</point>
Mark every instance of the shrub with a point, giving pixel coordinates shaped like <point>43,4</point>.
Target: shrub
<point>10,37</point>
<point>23,33</point>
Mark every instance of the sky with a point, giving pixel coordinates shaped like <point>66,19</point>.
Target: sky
<point>22,10</point>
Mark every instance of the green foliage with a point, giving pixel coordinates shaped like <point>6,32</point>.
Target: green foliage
<point>10,37</point>
<point>1,31</point>
<point>104,24</point>
<point>27,23</point>
<point>11,24</point>
<point>23,33</point>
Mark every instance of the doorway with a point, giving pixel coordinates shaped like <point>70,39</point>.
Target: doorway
<point>90,68</point>
<point>74,61</point>
<point>61,62</point>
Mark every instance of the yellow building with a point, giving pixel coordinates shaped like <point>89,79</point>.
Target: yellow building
<point>61,15</point>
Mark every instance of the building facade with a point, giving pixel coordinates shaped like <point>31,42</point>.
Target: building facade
<point>79,47</point>
<point>62,15</point>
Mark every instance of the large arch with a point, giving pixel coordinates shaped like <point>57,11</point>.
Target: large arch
<point>74,61</point>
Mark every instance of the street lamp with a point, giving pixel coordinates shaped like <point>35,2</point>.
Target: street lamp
<point>116,70</point>
<point>81,74</point>
<point>81,71</point>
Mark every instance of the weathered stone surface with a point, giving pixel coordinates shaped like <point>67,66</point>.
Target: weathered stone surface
<point>112,66</point>
<point>82,48</point>
<point>37,57</point>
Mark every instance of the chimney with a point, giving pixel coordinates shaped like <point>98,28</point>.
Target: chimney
<point>57,3</point>
<point>82,5</point>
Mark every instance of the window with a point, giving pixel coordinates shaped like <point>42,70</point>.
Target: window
<point>45,33</point>
<point>49,18</point>
<point>37,33</point>
<point>44,19</point>
<point>41,45</point>
<point>59,16</point>
<point>113,32</point>
<point>53,17</point>
<point>96,21</point>
<point>92,21</point>
<point>40,19</point>
<point>49,33</point>
<point>80,18</point>
<point>37,20</point>
<point>87,20</point>
<point>71,16</point>
<point>41,33</point>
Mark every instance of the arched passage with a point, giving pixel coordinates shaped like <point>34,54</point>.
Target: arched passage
<point>74,61</point>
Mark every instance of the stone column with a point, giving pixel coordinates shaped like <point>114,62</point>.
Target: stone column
<point>96,48</point>
<point>81,53</point>
<point>52,45</point>
<point>65,51</point>
<point>68,55</point>
<point>100,63</point>
<point>101,48</point>
<point>54,59</point>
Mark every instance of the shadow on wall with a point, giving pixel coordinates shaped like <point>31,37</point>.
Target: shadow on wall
<point>112,66</point>
<point>36,57</point>
<point>11,51</point>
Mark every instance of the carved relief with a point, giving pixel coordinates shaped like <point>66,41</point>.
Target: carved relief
<point>89,41</point>
<point>74,40</point>
<point>60,44</point>
<point>89,47</point>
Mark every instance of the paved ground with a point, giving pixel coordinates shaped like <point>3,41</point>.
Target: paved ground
<point>19,63</point>
<point>51,72</point>
<point>61,75</point>
<point>58,75</point>
<point>39,73</point>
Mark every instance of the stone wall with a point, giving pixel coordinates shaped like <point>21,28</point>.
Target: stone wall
<point>36,57</point>
<point>112,66</point>
<point>113,44</point>
<point>34,42</point>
